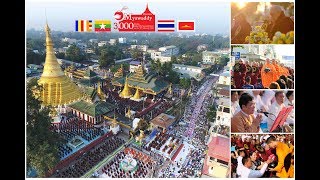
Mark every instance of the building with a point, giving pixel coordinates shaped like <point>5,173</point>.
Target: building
<point>202,47</point>
<point>143,48</point>
<point>225,78</point>
<point>134,65</point>
<point>189,71</point>
<point>122,40</point>
<point>84,78</point>
<point>58,89</point>
<point>89,51</point>
<point>155,55</point>
<point>223,115</point>
<point>112,42</point>
<point>82,46</point>
<point>162,122</point>
<point>140,82</point>
<point>169,51</point>
<point>93,40</point>
<point>255,53</point>
<point>210,57</point>
<point>102,43</point>
<point>69,40</point>
<point>93,108</point>
<point>216,163</point>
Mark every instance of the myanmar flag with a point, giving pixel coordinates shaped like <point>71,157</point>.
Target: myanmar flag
<point>83,25</point>
<point>186,26</point>
<point>102,25</point>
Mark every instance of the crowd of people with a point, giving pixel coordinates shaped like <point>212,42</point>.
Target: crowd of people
<point>262,155</point>
<point>275,20</point>
<point>89,159</point>
<point>257,111</point>
<point>73,127</point>
<point>268,75</point>
<point>145,165</point>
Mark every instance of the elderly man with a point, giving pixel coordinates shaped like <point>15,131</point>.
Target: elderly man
<point>279,21</point>
<point>245,121</point>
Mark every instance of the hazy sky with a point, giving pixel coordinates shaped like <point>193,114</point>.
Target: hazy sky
<point>210,17</point>
<point>287,50</point>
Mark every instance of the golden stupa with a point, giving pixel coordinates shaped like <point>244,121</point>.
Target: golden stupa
<point>58,89</point>
<point>125,93</point>
<point>136,96</point>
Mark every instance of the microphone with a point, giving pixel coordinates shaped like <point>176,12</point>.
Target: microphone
<point>265,113</point>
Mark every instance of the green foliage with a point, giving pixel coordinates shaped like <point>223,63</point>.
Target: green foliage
<point>185,83</point>
<point>211,114</point>
<point>136,54</point>
<point>107,58</point>
<point>42,144</point>
<point>74,54</point>
<point>34,58</point>
<point>117,66</point>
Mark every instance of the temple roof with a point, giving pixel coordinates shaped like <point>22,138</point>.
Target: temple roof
<point>92,109</point>
<point>156,85</point>
<point>88,82</point>
<point>163,120</point>
<point>219,148</point>
<point>89,73</point>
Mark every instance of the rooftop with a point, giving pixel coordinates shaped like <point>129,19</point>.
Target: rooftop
<point>92,109</point>
<point>163,120</point>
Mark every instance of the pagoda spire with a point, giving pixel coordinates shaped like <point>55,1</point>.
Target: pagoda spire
<point>136,96</point>
<point>57,87</point>
<point>51,66</point>
<point>126,90</point>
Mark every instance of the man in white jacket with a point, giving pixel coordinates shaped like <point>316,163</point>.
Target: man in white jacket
<point>247,172</point>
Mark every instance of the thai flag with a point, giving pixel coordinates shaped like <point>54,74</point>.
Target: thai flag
<point>166,26</point>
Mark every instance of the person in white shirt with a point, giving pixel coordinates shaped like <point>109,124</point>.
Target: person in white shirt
<point>289,101</point>
<point>235,107</point>
<point>275,108</point>
<point>266,98</point>
<point>247,172</point>
<point>239,160</point>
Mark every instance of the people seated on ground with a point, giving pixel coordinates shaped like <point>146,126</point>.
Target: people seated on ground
<point>244,120</point>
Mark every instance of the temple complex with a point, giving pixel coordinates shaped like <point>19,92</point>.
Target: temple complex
<point>139,82</point>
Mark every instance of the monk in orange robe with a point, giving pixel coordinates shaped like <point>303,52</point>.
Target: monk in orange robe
<point>277,73</point>
<point>268,73</point>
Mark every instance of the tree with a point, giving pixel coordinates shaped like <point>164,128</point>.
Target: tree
<point>42,144</point>
<point>34,58</point>
<point>136,54</point>
<point>74,54</point>
<point>60,55</point>
<point>106,58</point>
<point>185,83</point>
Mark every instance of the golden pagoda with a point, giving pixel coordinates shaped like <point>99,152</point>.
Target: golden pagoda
<point>119,73</point>
<point>170,89</point>
<point>128,114</point>
<point>58,89</point>
<point>114,121</point>
<point>100,93</point>
<point>136,96</point>
<point>125,93</point>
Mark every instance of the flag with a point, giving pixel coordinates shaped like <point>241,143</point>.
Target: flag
<point>83,25</point>
<point>102,25</point>
<point>186,26</point>
<point>166,26</point>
